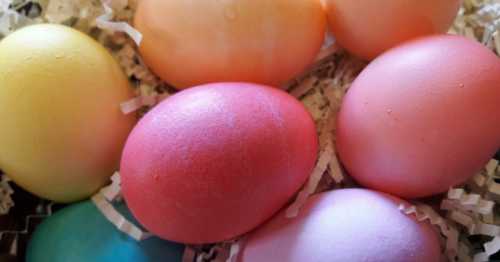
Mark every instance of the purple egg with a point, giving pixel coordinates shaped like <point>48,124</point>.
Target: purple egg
<point>345,225</point>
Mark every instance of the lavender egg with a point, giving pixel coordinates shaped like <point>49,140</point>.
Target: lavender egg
<point>344,225</point>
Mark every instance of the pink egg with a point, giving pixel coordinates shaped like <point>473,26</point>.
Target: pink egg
<point>344,225</point>
<point>422,117</point>
<point>215,161</point>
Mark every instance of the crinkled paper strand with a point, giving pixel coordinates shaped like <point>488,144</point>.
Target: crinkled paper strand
<point>321,89</point>
<point>480,20</point>
<point>111,193</point>
<point>459,199</point>
<point>6,202</point>
<point>325,158</point>
<point>473,225</point>
<point>234,250</point>
<point>485,181</point>
<point>475,211</point>
<point>490,248</point>
<point>426,213</point>
<point>11,20</point>
<point>28,219</point>
<point>117,219</point>
<point>140,101</point>
<point>105,22</point>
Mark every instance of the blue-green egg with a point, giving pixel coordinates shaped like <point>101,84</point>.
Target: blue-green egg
<point>80,233</point>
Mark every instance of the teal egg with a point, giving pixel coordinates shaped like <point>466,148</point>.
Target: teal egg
<point>80,233</point>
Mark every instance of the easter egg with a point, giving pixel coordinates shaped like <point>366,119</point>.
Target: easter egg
<point>215,161</point>
<point>422,117</point>
<point>80,233</point>
<point>344,225</point>
<point>189,43</point>
<point>368,28</point>
<point>62,129</point>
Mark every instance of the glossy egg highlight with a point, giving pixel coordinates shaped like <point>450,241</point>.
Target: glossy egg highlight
<point>215,161</point>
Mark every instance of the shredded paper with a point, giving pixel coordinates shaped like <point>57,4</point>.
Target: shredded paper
<point>468,217</point>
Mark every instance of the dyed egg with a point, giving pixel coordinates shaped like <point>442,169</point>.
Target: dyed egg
<point>80,233</point>
<point>62,129</point>
<point>423,117</point>
<point>188,43</point>
<point>344,225</point>
<point>215,161</point>
<point>368,28</point>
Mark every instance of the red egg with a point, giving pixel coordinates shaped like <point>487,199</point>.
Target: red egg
<point>422,117</point>
<point>215,161</point>
<point>344,225</point>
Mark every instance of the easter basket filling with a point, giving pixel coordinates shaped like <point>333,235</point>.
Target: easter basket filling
<point>463,221</point>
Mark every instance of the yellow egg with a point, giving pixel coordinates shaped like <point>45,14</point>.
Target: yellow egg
<point>61,131</point>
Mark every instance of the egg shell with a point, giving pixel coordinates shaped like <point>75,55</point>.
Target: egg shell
<point>189,43</point>
<point>368,28</point>
<point>80,233</point>
<point>62,130</point>
<point>344,225</point>
<point>215,161</point>
<point>423,117</point>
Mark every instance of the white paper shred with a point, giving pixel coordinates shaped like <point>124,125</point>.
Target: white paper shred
<point>459,199</point>
<point>496,41</point>
<point>335,170</point>
<point>469,210</point>
<point>113,191</point>
<point>6,202</point>
<point>491,167</point>
<point>42,212</point>
<point>490,248</point>
<point>235,249</point>
<point>105,22</point>
<point>304,87</point>
<point>11,20</point>
<point>311,185</point>
<point>217,253</point>
<point>117,219</point>
<point>140,101</point>
<point>59,11</point>
<point>426,213</point>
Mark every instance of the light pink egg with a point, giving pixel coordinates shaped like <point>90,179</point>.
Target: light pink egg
<point>423,117</point>
<point>344,225</point>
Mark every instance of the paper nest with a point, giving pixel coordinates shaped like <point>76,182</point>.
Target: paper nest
<point>472,210</point>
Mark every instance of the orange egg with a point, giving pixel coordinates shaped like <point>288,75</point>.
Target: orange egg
<point>368,28</point>
<point>188,43</point>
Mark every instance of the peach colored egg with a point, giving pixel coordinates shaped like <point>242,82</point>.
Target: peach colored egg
<point>215,161</point>
<point>422,117</point>
<point>369,27</point>
<point>189,43</point>
<point>344,225</point>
